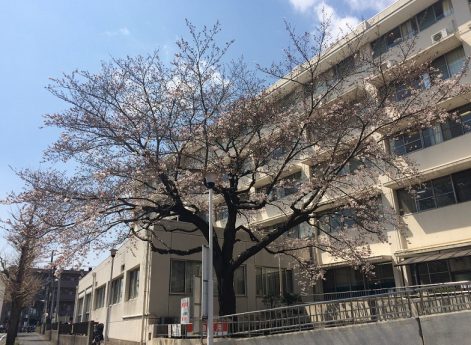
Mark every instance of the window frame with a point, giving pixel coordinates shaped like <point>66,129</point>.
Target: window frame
<point>97,295</point>
<point>244,275</point>
<point>408,199</point>
<point>441,132</point>
<point>116,299</point>
<point>282,281</point>
<point>87,306</point>
<point>381,45</point>
<point>187,287</point>
<point>133,283</point>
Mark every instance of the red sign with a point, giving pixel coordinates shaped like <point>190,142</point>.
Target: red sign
<point>185,310</point>
<point>219,328</point>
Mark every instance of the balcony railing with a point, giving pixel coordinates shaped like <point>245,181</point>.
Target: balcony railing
<point>398,303</point>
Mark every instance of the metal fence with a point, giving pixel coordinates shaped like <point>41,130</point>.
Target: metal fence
<point>397,304</point>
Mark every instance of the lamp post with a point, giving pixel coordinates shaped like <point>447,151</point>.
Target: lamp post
<point>58,292</point>
<point>108,296</point>
<point>209,183</point>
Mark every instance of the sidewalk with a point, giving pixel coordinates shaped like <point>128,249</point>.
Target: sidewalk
<point>31,339</point>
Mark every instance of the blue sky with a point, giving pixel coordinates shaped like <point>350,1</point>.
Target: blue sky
<point>43,39</point>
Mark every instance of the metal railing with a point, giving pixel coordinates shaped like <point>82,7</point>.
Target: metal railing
<point>398,304</point>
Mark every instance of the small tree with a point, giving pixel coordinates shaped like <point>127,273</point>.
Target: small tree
<point>27,237</point>
<point>142,134</point>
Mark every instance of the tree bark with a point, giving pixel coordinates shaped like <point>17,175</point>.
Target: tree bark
<point>12,331</point>
<point>226,292</point>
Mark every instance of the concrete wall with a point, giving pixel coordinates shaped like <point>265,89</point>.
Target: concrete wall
<point>112,341</point>
<point>73,339</point>
<point>450,328</point>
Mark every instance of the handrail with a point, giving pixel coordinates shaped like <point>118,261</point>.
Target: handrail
<point>402,302</point>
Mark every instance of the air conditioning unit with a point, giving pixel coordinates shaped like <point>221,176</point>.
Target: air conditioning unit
<point>437,37</point>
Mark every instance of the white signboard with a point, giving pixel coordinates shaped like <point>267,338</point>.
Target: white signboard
<point>185,311</point>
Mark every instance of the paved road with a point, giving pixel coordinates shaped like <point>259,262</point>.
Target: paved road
<point>31,339</point>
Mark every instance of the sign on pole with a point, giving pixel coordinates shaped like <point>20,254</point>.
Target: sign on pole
<point>185,311</point>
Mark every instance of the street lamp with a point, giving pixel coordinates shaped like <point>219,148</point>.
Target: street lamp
<point>209,182</point>
<point>113,252</point>
<point>58,292</point>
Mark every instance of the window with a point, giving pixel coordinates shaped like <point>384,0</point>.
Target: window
<point>404,89</point>
<point>442,271</point>
<point>344,67</point>
<point>383,277</point>
<point>100,297</point>
<point>133,283</point>
<point>416,140</point>
<point>239,281</point>
<point>411,27</point>
<point>268,281</point>
<point>443,191</point>
<point>348,279</point>
<point>432,272</point>
<point>450,64</point>
<point>288,187</point>
<point>350,167</point>
<point>433,14</point>
<point>87,305</point>
<point>303,230</point>
<point>79,309</point>
<point>335,220</point>
<point>181,275</point>
<point>116,288</point>
<point>343,279</point>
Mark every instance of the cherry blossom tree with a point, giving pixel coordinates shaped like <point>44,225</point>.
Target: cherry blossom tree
<point>29,238</point>
<point>140,135</point>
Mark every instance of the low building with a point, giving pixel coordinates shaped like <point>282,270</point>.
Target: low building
<point>144,288</point>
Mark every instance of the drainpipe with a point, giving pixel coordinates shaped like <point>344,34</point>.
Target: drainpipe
<point>108,295</point>
<point>82,312</point>
<point>280,276</point>
<point>92,297</point>
<point>145,297</point>
<point>76,303</point>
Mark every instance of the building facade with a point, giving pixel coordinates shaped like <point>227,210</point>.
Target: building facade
<point>437,244</point>
<point>145,288</point>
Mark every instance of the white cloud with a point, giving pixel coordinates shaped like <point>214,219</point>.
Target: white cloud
<point>337,26</point>
<point>303,5</point>
<point>377,5</point>
<point>124,31</point>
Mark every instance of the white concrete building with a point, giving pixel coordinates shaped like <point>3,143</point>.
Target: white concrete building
<point>146,288</point>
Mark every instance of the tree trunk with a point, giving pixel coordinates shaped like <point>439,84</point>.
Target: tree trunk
<point>226,296</point>
<point>12,331</point>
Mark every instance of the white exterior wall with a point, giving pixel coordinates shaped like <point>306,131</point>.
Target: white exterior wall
<point>442,228</point>
<point>126,316</point>
<point>445,227</point>
<point>125,319</point>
